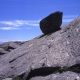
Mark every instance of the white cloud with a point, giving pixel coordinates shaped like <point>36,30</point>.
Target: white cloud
<point>7,40</point>
<point>6,23</point>
<point>8,28</point>
<point>4,40</point>
<point>16,24</point>
<point>20,22</point>
<point>32,24</point>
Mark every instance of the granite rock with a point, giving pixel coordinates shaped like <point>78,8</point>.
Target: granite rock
<point>9,46</point>
<point>2,51</point>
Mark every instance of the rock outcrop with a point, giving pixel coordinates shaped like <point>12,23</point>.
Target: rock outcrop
<point>55,56</point>
<point>9,46</point>
<point>51,23</point>
<point>2,51</point>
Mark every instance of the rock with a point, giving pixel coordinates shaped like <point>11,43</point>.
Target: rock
<point>8,46</point>
<point>2,51</point>
<point>13,78</point>
<point>0,78</point>
<point>51,23</point>
<point>20,42</point>
<point>55,53</point>
<point>8,79</point>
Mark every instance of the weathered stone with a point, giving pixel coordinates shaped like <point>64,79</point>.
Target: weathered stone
<point>8,46</point>
<point>16,78</point>
<point>2,51</point>
<point>51,23</point>
<point>7,79</point>
<point>20,42</point>
<point>60,49</point>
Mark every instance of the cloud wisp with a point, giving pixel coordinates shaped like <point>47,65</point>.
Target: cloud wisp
<point>69,18</point>
<point>16,24</point>
<point>8,40</point>
<point>9,28</point>
<point>4,40</point>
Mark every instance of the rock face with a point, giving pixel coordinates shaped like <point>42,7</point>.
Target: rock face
<point>55,56</point>
<point>2,51</point>
<point>51,23</point>
<point>9,46</point>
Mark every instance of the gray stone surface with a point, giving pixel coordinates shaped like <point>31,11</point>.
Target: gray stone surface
<point>8,79</point>
<point>16,78</point>
<point>57,49</point>
<point>51,23</point>
<point>9,46</point>
<point>2,51</point>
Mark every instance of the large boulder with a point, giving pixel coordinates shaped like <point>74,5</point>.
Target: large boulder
<point>51,23</point>
<point>43,57</point>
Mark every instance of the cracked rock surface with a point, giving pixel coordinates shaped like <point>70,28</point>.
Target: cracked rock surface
<point>9,46</point>
<point>58,52</point>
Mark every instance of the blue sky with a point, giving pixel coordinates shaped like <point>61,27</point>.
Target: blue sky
<point>19,19</point>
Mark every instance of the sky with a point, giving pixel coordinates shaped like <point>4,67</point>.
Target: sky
<point>19,19</point>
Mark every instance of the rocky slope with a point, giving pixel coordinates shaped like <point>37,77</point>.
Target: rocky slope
<point>9,46</point>
<point>55,56</point>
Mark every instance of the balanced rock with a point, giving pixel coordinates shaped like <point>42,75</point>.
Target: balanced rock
<point>51,23</point>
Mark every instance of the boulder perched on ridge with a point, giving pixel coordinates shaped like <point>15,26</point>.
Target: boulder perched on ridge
<point>51,23</point>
